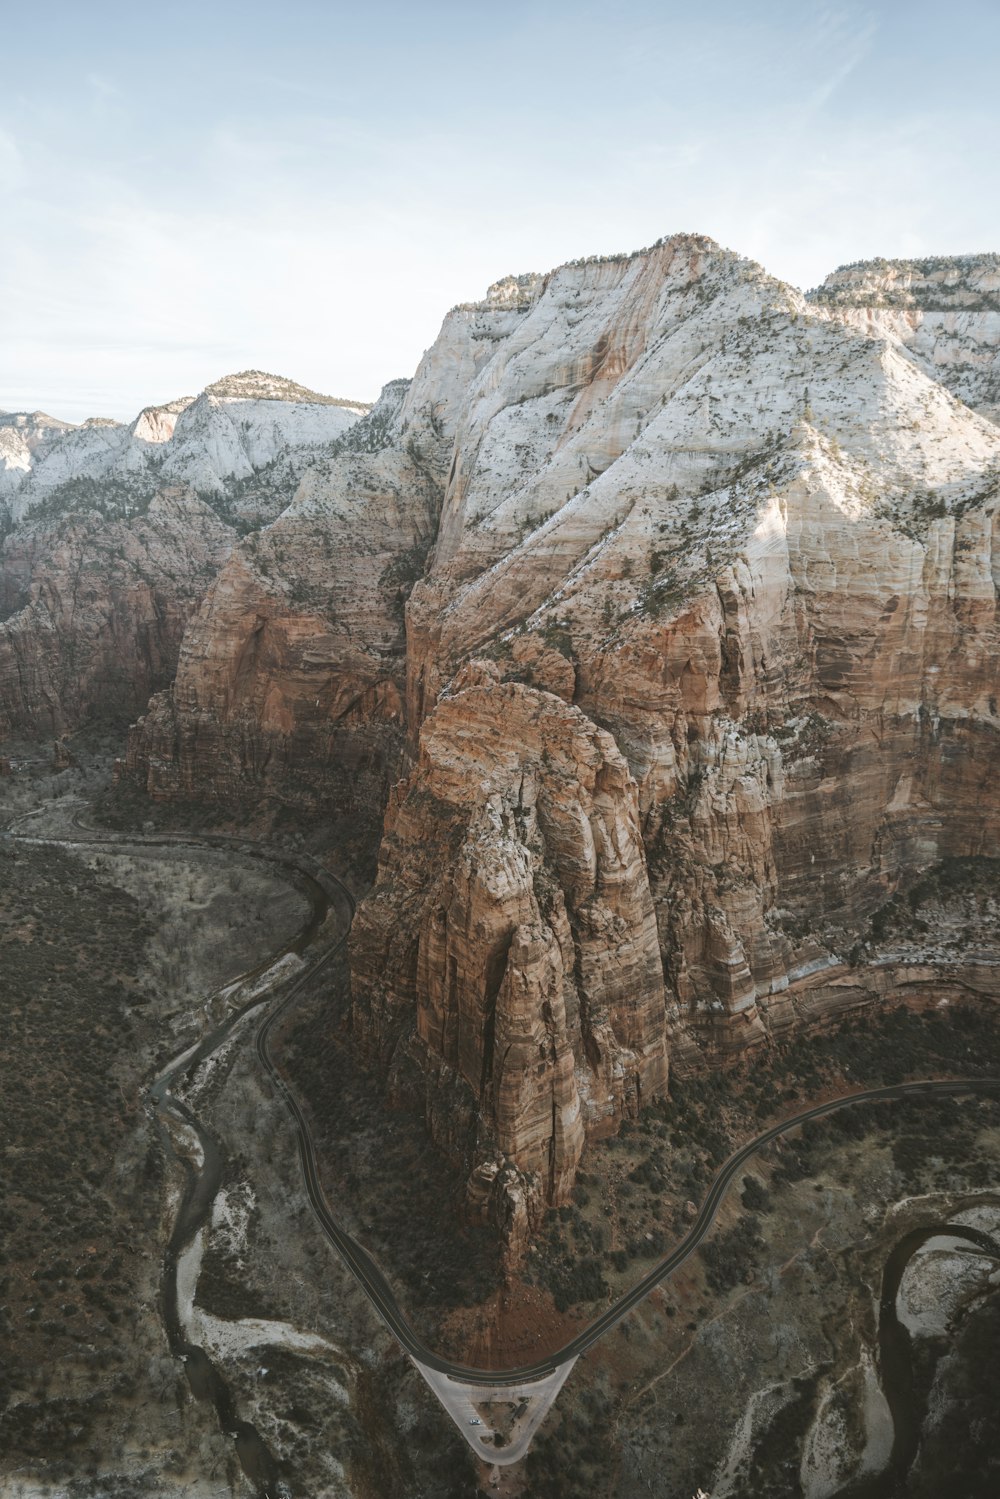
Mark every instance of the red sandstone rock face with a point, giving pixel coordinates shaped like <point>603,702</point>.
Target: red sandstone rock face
<point>774,640</point>
<point>95,609</point>
<point>795,652</point>
<point>509,947</point>
<point>805,738</point>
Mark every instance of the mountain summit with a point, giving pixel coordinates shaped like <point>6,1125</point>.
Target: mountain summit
<point>258,385</point>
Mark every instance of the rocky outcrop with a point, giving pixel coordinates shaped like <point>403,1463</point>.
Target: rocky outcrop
<point>506,966</point>
<point>945,311</point>
<point>756,546</point>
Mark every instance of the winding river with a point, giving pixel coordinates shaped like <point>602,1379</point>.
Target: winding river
<point>203,1180</point>
<point>895,1358</point>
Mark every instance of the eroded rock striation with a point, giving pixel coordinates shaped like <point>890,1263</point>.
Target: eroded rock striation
<point>507,965</point>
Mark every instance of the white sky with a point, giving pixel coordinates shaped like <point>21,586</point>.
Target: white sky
<point>307,188</point>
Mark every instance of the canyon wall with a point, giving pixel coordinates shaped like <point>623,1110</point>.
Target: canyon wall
<point>292,677</point>
<point>92,609</point>
<point>660,610</point>
<point>506,967</point>
<point>111,533</point>
<point>756,544</point>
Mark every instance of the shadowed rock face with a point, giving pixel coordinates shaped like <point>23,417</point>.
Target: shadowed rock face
<point>92,610</point>
<point>508,957</point>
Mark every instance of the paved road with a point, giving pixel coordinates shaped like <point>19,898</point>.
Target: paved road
<point>361,1263</point>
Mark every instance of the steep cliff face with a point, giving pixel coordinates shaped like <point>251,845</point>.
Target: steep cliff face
<point>507,966</point>
<point>92,609</point>
<point>290,678</point>
<point>668,596</point>
<point>759,547</point>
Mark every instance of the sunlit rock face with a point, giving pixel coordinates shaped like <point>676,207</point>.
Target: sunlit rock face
<point>232,432</point>
<point>764,545</point>
<point>945,311</point>
<point>759,548</point>
<point>291,678</point>
<point>111,533</point>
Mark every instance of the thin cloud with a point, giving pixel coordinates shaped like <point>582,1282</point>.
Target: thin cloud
<point>854,37</point>
<point>11,162</point>
<point>323,229</point>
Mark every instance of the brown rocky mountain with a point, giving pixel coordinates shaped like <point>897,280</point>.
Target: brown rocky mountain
<point>507,964</point>
<point>660,608</point>
<point>759,548</point>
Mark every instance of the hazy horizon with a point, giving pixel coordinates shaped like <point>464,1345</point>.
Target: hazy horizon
<point>310,194</point>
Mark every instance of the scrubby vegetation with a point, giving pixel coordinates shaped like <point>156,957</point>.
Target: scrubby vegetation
<point>80,1182</point>
<point>629,1206</point>
<point>963,891</point>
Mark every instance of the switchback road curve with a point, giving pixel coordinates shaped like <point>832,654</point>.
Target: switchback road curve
<point>357,1258</point>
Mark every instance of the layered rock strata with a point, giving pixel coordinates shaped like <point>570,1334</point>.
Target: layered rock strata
<point>776,556</point>
<point>92,610</point>
<point>506,965</point>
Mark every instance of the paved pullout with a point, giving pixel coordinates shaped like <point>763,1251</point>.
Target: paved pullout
<point>466,1402</point>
